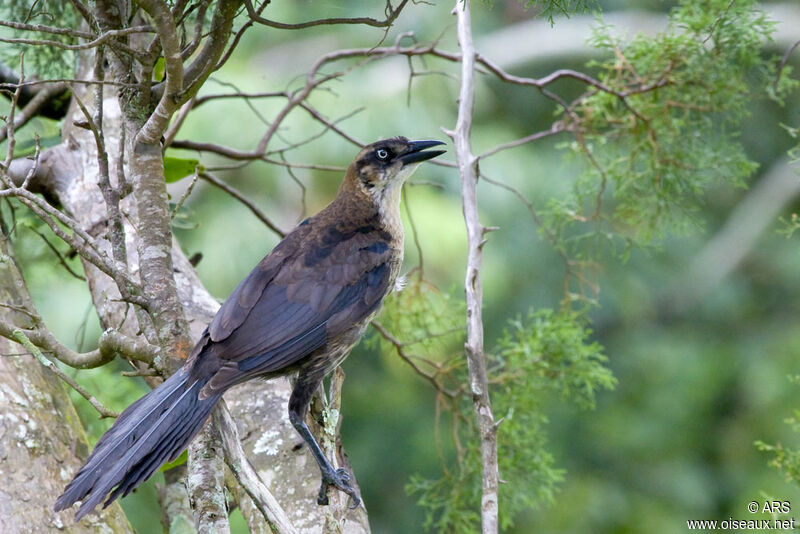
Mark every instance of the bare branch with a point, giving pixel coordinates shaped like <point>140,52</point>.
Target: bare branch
<point>185,195</point>
<point>207,60</point>
<point>33,106</point>
<point>167,33</point>
<point>80,241</point>
<point>110,344</point>
<point>391,15</point>
<point>782,65</point>
<point>400,350</point>
<point>190,49</point>
<point>200,100</point>
<point>23,340</point>
<point>476,358</point>
<point>58,254</point>
<point>247,476</point>
<point>10,121</point>
<point>205,482</point>
<point>210,178</point>
<point>556,128</point>
<point>238,37</point>
<point>108,37</point>
<point>240,155</point>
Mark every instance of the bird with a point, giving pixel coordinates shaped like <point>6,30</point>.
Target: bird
<point>299,312</point>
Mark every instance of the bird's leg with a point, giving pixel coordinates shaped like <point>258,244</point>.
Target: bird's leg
<point>299,401</point>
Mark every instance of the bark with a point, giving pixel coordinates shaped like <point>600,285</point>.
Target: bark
<point>476,359</point>
<point>208,500</point>
<point>70,175</point>
<point>41,437</point>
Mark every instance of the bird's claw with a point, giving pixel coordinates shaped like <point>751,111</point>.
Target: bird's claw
<point>341,480</point>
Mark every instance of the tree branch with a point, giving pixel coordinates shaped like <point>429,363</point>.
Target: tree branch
<point>34,105</point>
<point>235,193</point>
<point>157,123</point>
<point>20,337</point>
<point>391,15</point>
<point>476,359</point>
<point>205,482</point>
<point>245,474</point>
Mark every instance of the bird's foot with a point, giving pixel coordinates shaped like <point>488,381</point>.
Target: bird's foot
<point>340,479</point>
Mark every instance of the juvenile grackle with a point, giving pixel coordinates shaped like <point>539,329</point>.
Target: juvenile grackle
<point>301,310</point>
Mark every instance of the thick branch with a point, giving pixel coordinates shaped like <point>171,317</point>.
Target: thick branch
<point>243,471</point>
<point>205,481</point>
<point>157,123</point>
<point>23,340</point>
<point>110,344</point>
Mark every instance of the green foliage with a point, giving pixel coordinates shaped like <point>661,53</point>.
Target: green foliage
<point>549,8</point>
<point>667,125</point>
<point>28,146</point>
<point>176,169</point>
<point>428,321</point>
<point>180,460</point>
<point>546,354</point>
<point>43,61</point>
<point>785,459</point>
<point>790,225</point>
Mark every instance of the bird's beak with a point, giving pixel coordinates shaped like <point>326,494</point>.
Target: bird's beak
<point>415,152</point>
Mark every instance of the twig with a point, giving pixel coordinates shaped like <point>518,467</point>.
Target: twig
<point>34,105</point>
<point>782,65</point>
<point>58,254</point>
<point>10,121</point>
<point>185,195</point>
<point>400,350</point>
<point>200,100</point>
<point>176,124</point>
<point>235,193</point>
<point>239,155</point>
<point>556,128</point>
<point>414,233</point>
<point>23,340</point>
<point>100,40</point>
<point>391,15</point>
<point>200,19</point>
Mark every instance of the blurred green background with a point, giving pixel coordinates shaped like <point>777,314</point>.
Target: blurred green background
<point>699,382</point>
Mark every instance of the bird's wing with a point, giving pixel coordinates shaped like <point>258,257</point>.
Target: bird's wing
<point>304,293</point>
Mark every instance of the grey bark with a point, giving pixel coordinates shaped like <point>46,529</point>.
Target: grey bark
<point>69,173</point>
<point>41,437</point>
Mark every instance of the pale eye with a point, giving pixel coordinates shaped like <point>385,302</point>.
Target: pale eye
<point>382,153</point>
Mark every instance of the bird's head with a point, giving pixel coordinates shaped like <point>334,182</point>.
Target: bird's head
<point>383,166</point>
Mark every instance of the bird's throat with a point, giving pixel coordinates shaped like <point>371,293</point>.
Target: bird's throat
<point>388,201</point>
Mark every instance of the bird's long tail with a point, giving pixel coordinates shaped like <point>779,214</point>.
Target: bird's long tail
<point>151,431</point>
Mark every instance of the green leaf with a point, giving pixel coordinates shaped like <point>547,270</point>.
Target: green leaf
<point>28,146</point>
<point>180,460</point>
<point>178,168</point>
<point>159,70</point>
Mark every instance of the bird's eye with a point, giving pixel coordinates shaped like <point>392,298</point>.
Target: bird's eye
<point>382,154</point>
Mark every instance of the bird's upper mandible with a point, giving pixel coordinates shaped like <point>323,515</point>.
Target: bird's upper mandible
<point>390,161</point>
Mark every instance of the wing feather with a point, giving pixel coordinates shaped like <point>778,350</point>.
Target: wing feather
<point>300,306</point>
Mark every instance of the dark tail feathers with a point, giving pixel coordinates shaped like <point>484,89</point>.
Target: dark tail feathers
<point>151,431</point>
